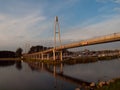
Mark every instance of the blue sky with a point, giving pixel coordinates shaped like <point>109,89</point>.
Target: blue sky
<point>32,21</point>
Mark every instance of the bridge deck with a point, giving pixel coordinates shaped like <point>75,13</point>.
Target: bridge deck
<point>103,39</point>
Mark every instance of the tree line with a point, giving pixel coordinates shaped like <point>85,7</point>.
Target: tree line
<point>11,54</point>
<point>38,48</point>
<point>33,49</point>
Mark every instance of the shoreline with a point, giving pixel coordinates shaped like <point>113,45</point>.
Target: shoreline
<point>75,60</point>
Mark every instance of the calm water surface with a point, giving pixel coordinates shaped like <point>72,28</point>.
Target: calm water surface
<point>39,76</point>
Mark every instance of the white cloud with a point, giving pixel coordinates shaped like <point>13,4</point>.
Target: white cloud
<point>116,1</point>
<point>104,1</point>
<point>18,25</point>
<point>93,30</point>
<point>117,9</point>
<point>13,31</point>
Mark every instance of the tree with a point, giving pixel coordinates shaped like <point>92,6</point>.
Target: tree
<point>7,54</point>
<point>38,48</point>
<point>19,52</point>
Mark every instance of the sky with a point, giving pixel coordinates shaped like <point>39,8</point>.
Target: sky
<point>31,22</point>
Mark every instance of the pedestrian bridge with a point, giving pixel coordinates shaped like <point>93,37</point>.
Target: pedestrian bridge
<point>46,54</point>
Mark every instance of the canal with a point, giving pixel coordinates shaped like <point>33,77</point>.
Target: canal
<point>39,76</point>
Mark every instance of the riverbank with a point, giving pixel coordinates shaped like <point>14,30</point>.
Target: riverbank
<point>75,60</point>
<point>109,85</point>
<point>90,59</point>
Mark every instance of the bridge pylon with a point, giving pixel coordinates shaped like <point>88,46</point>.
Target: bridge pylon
<point>57,37</point>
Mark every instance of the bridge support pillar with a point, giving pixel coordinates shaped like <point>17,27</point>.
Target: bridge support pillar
<point>48,57</point>
<point>54,56</point>
<point>39,56</point>
<point>42,56</point>
<point>35,56</point>
<point>61,56</point>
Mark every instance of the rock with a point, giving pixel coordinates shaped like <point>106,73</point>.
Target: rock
<point>111,81</point>
<point>92,84</point>
<point>77,88</point>
<point>101,83</point>
<point>108,82</point>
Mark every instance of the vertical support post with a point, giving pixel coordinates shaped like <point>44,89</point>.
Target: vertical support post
<point>32,57</point>
<point>57,32</point>
<point>42,57</point>
<point>54,56</point>
<point>48,57</point>
<point>39,56</point>
<point>61,56</point>
<point>35,56</point>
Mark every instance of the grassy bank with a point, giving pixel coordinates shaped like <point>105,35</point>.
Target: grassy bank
<point>111,86</point>
<point>89,59</point>
<point>71,61</point>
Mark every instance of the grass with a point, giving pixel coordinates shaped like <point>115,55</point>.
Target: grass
<point>111,86</point>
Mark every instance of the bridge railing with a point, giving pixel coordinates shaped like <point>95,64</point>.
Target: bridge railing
<point>104,38</point>
<point>97,40</point>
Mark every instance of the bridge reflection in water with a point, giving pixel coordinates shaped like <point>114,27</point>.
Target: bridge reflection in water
<point>58,73</point>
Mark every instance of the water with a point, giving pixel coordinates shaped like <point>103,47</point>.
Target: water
<point>39,76</point>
